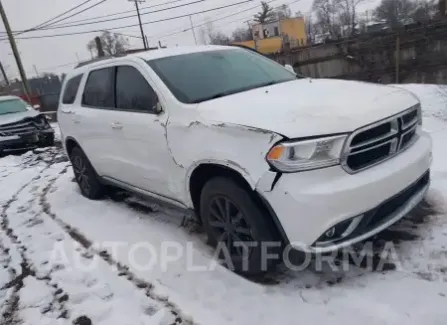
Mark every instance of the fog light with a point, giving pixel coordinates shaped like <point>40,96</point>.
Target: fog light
<point>339,231</point>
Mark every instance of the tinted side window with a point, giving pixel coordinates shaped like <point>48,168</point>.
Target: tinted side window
<point>133,91</point>
<point>71,89</point>
<point>99,88</point>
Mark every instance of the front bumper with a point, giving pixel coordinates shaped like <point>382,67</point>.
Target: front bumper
<point>309,204</point>
<point>26,142</point>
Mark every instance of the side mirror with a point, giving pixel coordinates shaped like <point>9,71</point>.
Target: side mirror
<point>157,108</point>
<point>289,67</point>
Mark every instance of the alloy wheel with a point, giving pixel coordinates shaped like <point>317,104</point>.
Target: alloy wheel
<point>80,171</point>
<point>229,224</point>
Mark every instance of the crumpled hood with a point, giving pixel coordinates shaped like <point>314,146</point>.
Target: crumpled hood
<point>307,107</point>
<point>15,117</point>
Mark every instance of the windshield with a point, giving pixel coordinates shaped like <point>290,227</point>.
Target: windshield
<point>197,77</point>
<point>12,106</point>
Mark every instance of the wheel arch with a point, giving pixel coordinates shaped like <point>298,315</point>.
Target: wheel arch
<point>70,143</point>
<point>201,172</point>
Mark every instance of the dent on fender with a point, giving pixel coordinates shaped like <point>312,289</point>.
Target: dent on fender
<point>235,146</point>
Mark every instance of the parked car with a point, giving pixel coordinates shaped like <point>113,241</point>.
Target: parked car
<point>22,127</point>
<point>260,154</point>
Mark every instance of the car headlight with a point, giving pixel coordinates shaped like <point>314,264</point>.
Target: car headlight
<point>42,122</point>
<point>307,154</point>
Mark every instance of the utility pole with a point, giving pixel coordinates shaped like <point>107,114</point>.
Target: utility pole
<point>139,21</point>
<point>99,47</point>
<point>397,58</point>
<point>35,69</point>
<point>5,77</point>
<point>15,52</point>
<point>193,31</point>
<point>255,41</point>
<point>147,42</point>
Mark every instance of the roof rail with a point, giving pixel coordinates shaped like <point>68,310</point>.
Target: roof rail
<point>247,48</point>
<point>102,58</point>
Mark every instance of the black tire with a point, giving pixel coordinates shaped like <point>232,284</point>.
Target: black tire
<point>86,176</point>
<point>248,223</point>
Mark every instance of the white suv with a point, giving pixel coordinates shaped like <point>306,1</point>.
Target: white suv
<point>260,154</point>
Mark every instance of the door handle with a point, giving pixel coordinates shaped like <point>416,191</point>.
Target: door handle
<point>116,125</point>
<point>67,111</point>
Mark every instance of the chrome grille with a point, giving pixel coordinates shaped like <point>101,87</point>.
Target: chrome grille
<point>18,128</point>
<point>379,141</point>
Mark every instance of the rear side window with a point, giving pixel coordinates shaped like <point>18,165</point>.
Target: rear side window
<point>99,88</point>
<point>133,91</point>
<point>71,89</point>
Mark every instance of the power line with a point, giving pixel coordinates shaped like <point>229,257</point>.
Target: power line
<point>124,17</point>
<point>217,19</point>
<point>76,13</point>
<point>55,17</point>
<point>133,25</point>
<point>117,14</point>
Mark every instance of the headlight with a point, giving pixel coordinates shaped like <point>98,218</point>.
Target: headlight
<point>308,154</point>
<point>42,122</point>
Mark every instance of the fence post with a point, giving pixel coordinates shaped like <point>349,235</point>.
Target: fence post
<point>397,58</point>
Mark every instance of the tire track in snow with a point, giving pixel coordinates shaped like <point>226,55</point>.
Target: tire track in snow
<point>10,314</point>
<point>121,269</point>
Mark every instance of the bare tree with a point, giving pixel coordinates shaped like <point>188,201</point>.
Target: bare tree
<point>283,12</point>
<point>442,4</point>
<point>425,10</point>
<point>111,43</point>
<point>347,13</point>
<point>311,29</point>
<point>395,12</point>
<point>326,13</point>
<point>242,34</point>
<point>267,14</point>
<point>220,38</point>
<point>215,37</point>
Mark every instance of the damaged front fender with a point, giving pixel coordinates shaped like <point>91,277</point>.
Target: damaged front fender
<point>234,146</point>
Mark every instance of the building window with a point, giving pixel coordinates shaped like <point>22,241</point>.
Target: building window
<point>276,31</point>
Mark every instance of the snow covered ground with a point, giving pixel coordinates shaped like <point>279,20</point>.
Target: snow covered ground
<point>119,261</point>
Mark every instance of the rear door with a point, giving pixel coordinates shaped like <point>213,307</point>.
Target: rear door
<point>93,117</point>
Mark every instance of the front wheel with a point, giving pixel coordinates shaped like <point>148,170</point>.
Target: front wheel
<point>239,228</point>
<point>85,175</point>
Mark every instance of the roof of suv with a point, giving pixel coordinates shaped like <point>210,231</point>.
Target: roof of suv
<point>156,54</point>
<point>166,52</point>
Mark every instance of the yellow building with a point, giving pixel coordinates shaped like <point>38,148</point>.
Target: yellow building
<point>273,36</point>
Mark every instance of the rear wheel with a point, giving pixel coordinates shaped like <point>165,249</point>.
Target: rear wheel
<point>85,175</point>
<point>239,228</point>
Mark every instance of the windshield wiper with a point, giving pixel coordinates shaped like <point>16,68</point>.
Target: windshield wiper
<point>218,95</point>
<point>226,93</point>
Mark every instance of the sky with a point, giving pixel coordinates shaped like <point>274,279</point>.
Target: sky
<point>59,54</point>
